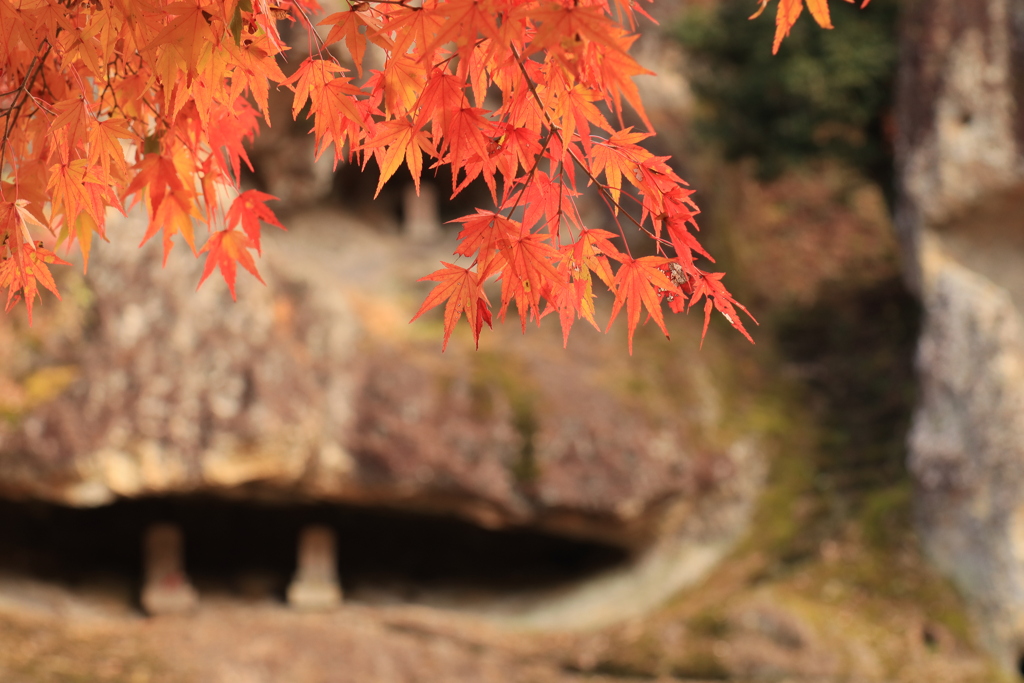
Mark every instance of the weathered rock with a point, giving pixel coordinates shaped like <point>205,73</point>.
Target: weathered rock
<point>959,150</point>
<point>967,443</point>
<point>958,132</point>
<point>316,388</point>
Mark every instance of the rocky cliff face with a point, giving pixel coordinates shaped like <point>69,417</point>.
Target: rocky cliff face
<point>959,151</point>
<point>967,444</point>
<point>315,388</point>
<point>957,130</point>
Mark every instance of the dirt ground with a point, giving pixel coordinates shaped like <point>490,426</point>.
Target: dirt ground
<point>845,615</point>
<point>50,634</point>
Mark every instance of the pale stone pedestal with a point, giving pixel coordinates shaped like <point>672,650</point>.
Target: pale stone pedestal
<point>167,589</point>
<point>422,223</point>
<point>315,587</point>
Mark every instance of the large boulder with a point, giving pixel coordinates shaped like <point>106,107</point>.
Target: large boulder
<point>315,388</point>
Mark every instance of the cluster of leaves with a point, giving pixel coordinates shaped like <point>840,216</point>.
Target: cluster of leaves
<point>824,95</point>
<point>106,103</point>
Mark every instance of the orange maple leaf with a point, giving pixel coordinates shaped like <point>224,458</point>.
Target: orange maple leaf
<point>249,208</point>
<point>637,283</point>
<point>709,286</point>
<point>482,235</point>
<point>397,141</point>
<point>789,11</point>
<point>188,35</point>
<point>529,266</point>
<point>25,268</point>
<point>461,291</point>
<point>353,26</point>
<point>225,249</point>
<point>184,83</point>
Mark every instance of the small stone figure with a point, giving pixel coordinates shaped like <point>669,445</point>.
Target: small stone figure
<point>167,589</point>
<point>315,586</point>
<point>422,221</point>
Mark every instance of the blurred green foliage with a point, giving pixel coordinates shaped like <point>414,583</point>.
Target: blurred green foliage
<point>825,94</point>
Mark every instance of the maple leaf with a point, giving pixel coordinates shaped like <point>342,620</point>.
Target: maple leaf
<point>461,291</point>
<point>560,23</point>
<point>69,127</point>
<point>353,26</point>
<point>403,142</point>
<point>105,146</point>
<point>591,251</point>
<point>482,235</point>
<point>617,157</point>
<point>637,283</point>
<point>402,82</point>
<point>78,187</point>
<point>346,26</point>
<point>789,11</point>
<point>463,21</point>
<point>170,202</point>
<point>180,85</point>
<point>188,35</point>
<point>575,111</point>
<point>225,249</point>
<point>443,95</point>
<point>412,26</point>
<point>307,80</point>
<point>465,137</point>
<point>516,148</point>
<point>82,230</point>
<point>249,208</point>
<point>333,107</point>
<point>173,216</point>
<point>227,130</point>
<point>819,10</point>
<point>614,73</point>
<point>579,261</point>
<point>548,202</point>
<point>13,29</point>
<point>254,68</point>
<point>25,268</point>
<point>710,287</point>
<point>529,265</point>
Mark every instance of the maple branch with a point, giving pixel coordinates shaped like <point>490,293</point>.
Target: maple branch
<point>604,194</point>
<point>446,60</point>
<point>565,147</point>
<point>401,3</point>
<point>561,193</point>
<point>610,203</point>
<point>109,88</point>
<point>311,30</point>
<point>533,172</point>
<point>125,63</point>
<point>14,111</point>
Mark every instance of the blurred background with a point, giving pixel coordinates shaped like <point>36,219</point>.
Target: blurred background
<point>843,501</point>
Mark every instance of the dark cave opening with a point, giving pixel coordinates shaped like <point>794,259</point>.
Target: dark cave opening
<point>230,546</point>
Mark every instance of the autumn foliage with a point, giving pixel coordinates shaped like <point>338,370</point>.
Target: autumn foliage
<point>108,103</point>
